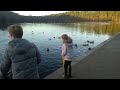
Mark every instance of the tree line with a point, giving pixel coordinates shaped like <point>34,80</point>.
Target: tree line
<point>67,17</point>
<point>113,16</point>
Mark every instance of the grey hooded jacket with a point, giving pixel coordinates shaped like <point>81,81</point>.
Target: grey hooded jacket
<point>22,58</point>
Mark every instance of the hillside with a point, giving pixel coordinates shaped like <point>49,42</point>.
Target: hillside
<point>67,17</point>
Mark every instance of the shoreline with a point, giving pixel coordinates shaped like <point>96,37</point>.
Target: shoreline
<point>56,74</point>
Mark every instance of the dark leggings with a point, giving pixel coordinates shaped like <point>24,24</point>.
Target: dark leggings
<point>67,63</point>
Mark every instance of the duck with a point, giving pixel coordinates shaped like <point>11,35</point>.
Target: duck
<point>50,39</point>
<point>88,41</point>
<point>92,42</point>
<point>85,44</point>
<point>47,49</point>
<point>76,45</point>
<point>89,48</point>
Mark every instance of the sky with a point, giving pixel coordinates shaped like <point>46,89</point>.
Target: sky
<point>37,13</point>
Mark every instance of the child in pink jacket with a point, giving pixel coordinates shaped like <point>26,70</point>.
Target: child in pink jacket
<point>67,54</point>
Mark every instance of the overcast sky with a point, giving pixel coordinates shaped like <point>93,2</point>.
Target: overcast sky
<point>37,13</point>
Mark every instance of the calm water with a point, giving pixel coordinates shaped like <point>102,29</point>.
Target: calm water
<point>79,32</point>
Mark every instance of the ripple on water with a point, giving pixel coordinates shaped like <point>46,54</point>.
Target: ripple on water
<point>52,60</point>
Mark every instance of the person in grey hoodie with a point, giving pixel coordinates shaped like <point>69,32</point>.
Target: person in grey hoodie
<point>21,57</point>
<point>67,54</point>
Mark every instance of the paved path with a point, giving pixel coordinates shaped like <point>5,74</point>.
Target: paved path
<point>102,63</point>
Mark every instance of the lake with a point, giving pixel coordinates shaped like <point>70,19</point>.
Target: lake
<point>42,35</point>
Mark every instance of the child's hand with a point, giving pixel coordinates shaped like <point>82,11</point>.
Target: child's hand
<point>63,61</point>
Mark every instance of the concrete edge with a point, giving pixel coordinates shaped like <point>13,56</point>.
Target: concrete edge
<point>60,71</point>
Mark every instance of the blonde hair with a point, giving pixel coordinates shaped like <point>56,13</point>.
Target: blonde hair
<point>66,38</point>
<point>69,40</point>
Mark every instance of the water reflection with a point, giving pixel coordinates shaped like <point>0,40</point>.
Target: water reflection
<point>79,32</point>
<point>93,27</point>
<point>89,27</point>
